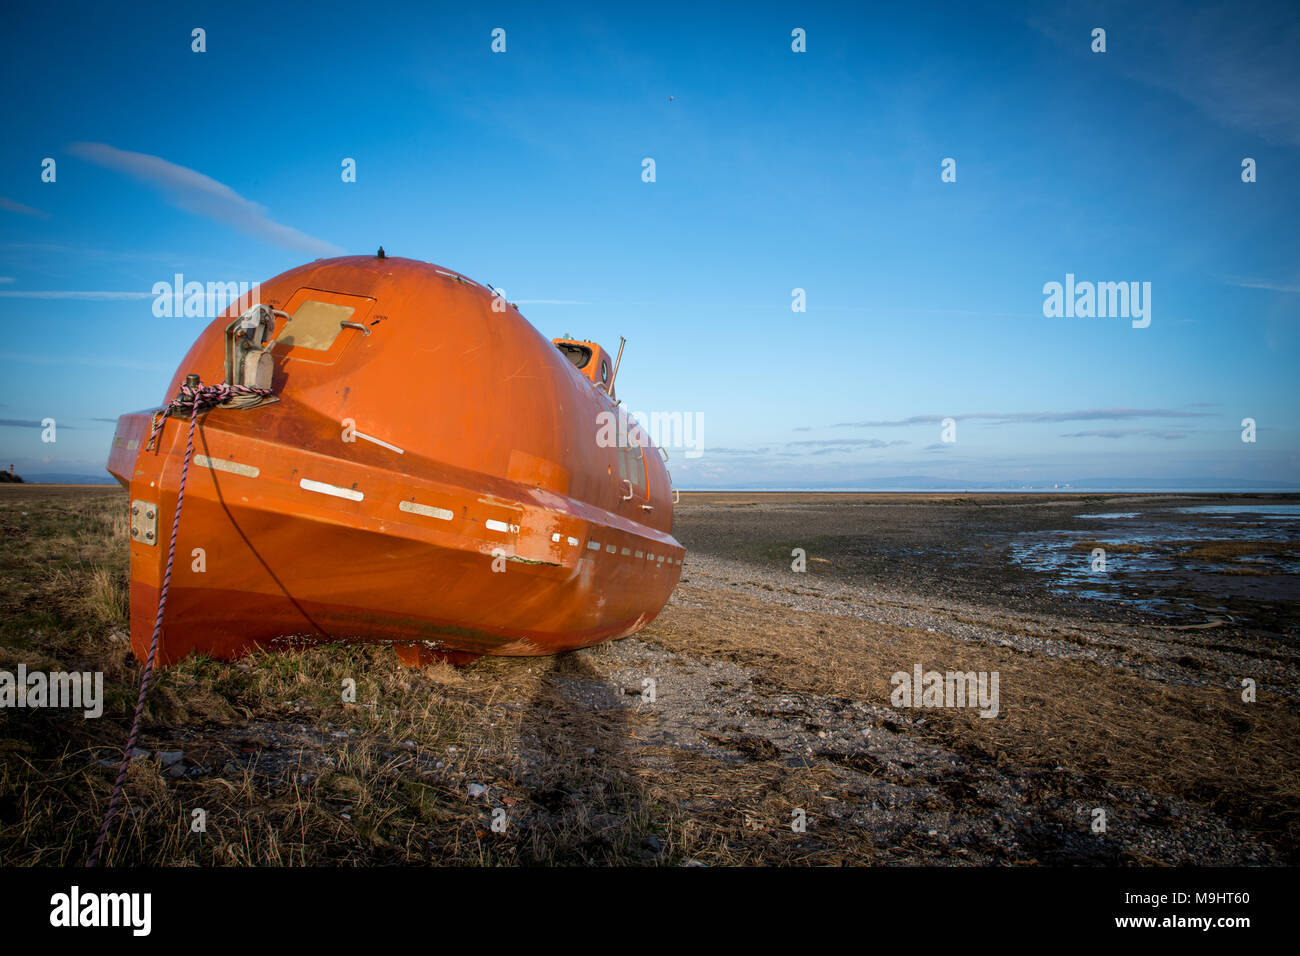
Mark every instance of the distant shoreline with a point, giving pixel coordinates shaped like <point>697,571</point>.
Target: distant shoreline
<point>901,490</point>
<point>60,484</point>
<point>1080,492</point>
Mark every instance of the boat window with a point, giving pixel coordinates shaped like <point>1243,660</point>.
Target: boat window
<point>631,462</point>
<point>315,325</point>
<point>579,355</point>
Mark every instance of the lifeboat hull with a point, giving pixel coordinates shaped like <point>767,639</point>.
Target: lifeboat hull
<point>477,513</point>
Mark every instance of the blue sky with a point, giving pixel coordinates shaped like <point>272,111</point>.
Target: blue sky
<point>775,170</point>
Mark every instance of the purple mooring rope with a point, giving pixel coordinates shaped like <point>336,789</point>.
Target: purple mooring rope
<point>194,398</point>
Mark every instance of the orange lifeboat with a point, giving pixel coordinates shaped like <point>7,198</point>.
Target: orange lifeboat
<point>409,461</point>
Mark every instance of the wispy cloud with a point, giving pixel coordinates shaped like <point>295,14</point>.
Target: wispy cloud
<point>885,423</point>
<point>738,451</point>
<point>1241,71</point>
<point>78,252</point>
<point>24,423</point>
<point>1002,418</point>
<point>1269,284</point>
<point>10,206</point>
<point>1095,414</point>
<point>69,294</point>
<point>91,361</point>
<point>549,302</point>
<point>1126,433</point>
<point>201,195</point>
<point>831,443</point>
<point>800,449</point>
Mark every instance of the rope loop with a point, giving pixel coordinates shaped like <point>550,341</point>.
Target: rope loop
<point>195,398</point>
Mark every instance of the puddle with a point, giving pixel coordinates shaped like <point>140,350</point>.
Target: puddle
<point>1263,511</point>
<point>1218,551</point>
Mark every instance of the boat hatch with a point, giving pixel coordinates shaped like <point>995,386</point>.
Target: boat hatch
<point>316,325</point>
<point>579,355</point>
<point>321,324</point>
<point>589,359</point>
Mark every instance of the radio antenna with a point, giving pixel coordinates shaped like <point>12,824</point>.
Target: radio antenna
<point>621,342</point>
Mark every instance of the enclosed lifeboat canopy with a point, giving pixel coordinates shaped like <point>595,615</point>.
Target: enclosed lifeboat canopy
<point>425,471</point>
<point>591,360</point>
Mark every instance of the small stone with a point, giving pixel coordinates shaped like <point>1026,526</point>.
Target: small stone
<point>477,789</point>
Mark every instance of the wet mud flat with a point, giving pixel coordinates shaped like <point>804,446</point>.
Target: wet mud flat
<point>754,722</point>
<point>1121,693</point>
<point>1169,559</point>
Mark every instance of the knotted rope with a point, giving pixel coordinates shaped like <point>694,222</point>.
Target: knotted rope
<point>194,397</point>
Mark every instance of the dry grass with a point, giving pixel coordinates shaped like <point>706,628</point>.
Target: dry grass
<point>289,773</point>
<point>1202,744</point>
<point>1224,550</point>
<point>294,775</point>
<point>1199,551</point>
<point>107,597</point>
<point>1226,555</point>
